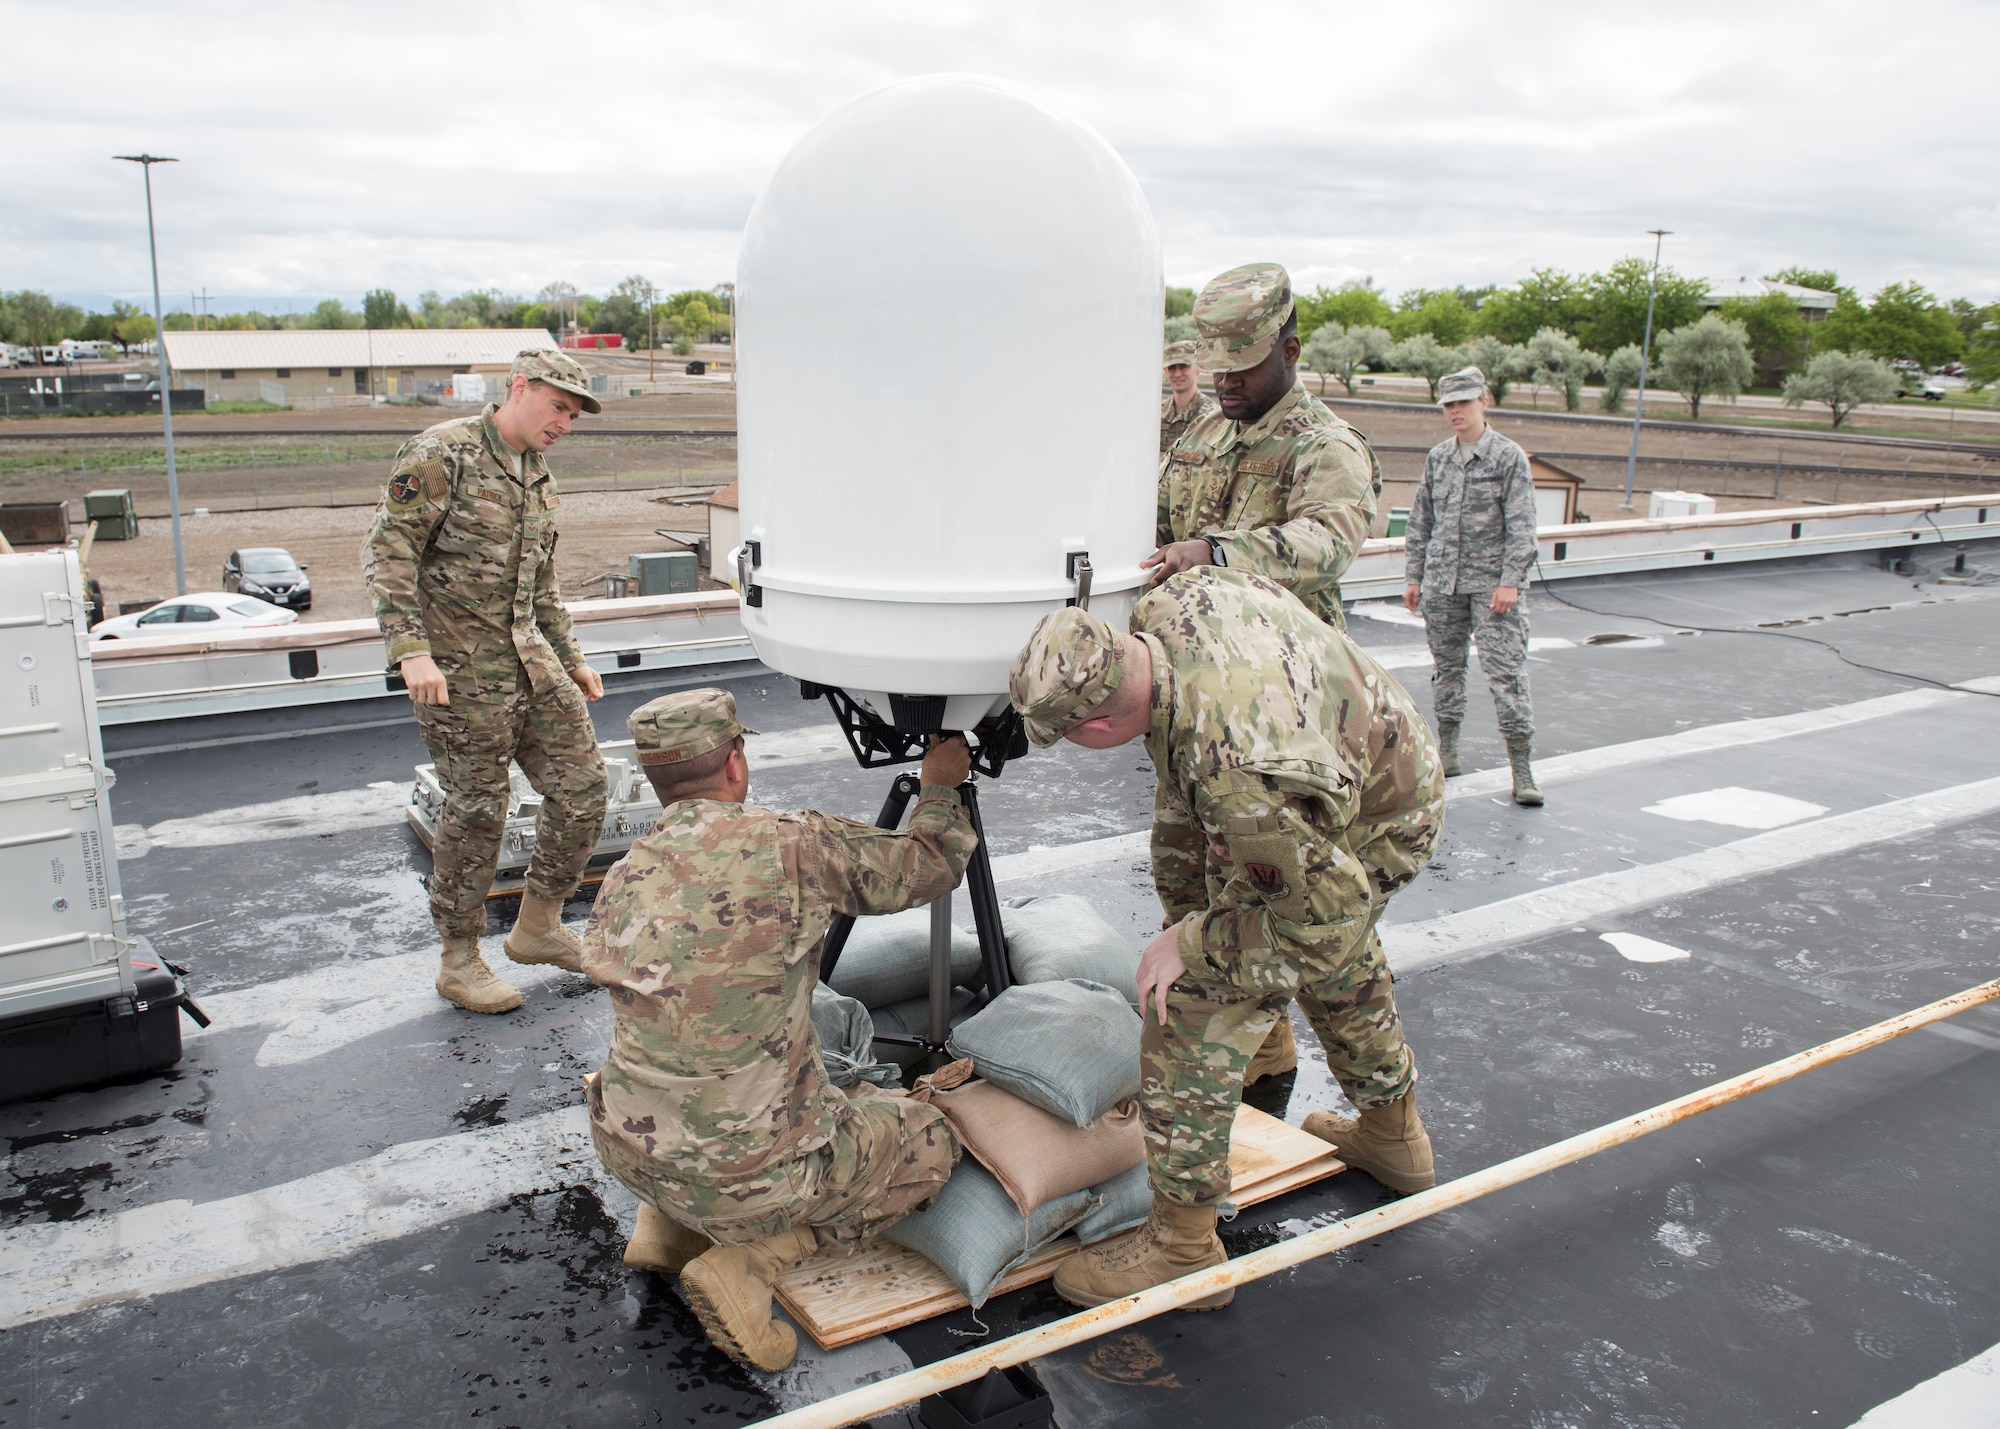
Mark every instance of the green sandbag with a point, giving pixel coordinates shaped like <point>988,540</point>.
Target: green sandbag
<point>1062,936</point>
<point>888,959</point>
<point>1122,1202</point>
<point>975,1234</point>
<point>847,1040</point>
<point>912,1018</point>
<point>1070,1047</point>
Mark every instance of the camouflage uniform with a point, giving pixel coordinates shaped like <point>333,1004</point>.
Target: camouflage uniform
<point>1298,789</point>
<point>1471,530</point>
<point>461,566</point>
<point>1292,495</point>
<point>1175,423</point>
<point>713,1104</point>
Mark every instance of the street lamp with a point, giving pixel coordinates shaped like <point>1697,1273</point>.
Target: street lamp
<point>1645,361</point>
<point>145,163</point>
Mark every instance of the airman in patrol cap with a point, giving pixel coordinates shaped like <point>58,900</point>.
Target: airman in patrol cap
<point>1185,402</point>
<point>713,1105</point>
<point>461,565</point>
<point>1298,788</point>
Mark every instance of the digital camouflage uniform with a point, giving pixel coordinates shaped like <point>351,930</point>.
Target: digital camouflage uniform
<point>713,1104</point>
<point>1471,530</point>
<point>1174,423</point>
<point>1292,495</point>
<point>461,566</point>
<point>1298,789</point>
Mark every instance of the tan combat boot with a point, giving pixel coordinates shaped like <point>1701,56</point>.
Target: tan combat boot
<point>1278,1055</point>
<point>1388,1142</point>
<point>729,1290</point>
<point>1448,750</point>
<point>1525,789</point>
<point>663,1244</point>
<point>1176,1240</point>
<point>464,978</point>
<point>540,937</point>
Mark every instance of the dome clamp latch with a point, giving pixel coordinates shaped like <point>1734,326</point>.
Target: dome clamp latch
<point>1078,569</point>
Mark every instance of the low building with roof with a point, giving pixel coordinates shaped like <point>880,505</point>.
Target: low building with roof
<point>1814,303</point>
<point>321,367</point>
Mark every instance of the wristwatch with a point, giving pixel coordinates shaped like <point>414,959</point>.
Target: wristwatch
<point>1216,554</point>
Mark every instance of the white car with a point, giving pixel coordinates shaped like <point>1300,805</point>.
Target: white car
<point>188,617</point>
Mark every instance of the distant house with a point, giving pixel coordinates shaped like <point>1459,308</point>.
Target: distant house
<point>725,533</point>
<point>1557,491</point>
<point>341,366</point>
<point>1814,304</point>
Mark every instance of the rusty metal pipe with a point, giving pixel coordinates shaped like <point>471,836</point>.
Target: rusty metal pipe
<point>887,1394</point>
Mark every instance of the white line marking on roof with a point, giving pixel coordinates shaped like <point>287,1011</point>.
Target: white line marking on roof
<point>1966,1396</point>
<point>1737,808</point>
<point>59,1268</point>
<point>1636,949</point>
<point>1455,936</point>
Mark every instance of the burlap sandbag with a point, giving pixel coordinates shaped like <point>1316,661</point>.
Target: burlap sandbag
<point>1035,1155</point>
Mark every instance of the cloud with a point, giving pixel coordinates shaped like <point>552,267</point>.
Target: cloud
<point>337,147</point>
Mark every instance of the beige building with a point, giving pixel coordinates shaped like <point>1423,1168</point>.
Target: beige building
<point>338,367</point>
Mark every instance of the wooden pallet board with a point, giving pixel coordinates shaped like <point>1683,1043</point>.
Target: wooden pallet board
<point>841,1297</point>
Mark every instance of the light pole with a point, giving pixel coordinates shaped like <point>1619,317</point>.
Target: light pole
<point>145,163</point>
<point>1645,361</point>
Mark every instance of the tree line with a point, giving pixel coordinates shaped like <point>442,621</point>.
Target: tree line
<point>679,320</point>
<point>1558,330</point>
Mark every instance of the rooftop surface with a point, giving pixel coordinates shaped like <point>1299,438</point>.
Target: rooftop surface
<point>353,1203</point>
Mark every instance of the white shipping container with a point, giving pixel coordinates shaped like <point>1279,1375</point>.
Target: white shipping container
<point>1667,504</point>
<point>468,387</point>
<point>63,940</point>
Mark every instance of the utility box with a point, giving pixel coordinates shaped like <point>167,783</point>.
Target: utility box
<point>1670,504</point>
<point>72,1006</point>
<point>116,516</point>
<point>468,387</point>
<point>35,523</point>
<point>1399,521</point>
<point>665,573</point>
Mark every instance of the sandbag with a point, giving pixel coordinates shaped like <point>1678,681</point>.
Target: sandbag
<point>1035,1155</point>
<point>847,1040</point>
<point>888,959</point>
<point>1071,1047</point>
<point>912,1019</point>
<point>975,1233</point>
<point>1062,936</point>
<point>1121,1203</point>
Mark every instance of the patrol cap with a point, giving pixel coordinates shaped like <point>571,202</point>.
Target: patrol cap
<point>684,725</point>
<point>1239,315</point>
<point>1069,667</point>
<point>558,369</point>
<point>1180,354</point>
<point>1464,385</point>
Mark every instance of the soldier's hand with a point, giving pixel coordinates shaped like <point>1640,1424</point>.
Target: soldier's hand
<point>947,761</point>
<point>424,680</point>
<point>1159,966</point>
<point>589,681</point>
<point>1505,598</point>
<point>1180,556</point>
<point>1412,596</point>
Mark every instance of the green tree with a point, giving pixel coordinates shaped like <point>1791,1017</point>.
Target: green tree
<point>137,328</point>
<point>1443,315</point>
<point>1502,362</point>
<point>1621,375</point>
<point>1547,297</point>
<point>379,309</point>
<point>1180,302</point>
<point>331,313</point>
<point>1982,351</point>
<point>1353,305</point>
<point>1558,361</point>
<point>1422,355</point>
<point>1709,358</point>
<point>1614,304</point>
<point>1902,322</point>
<point>1181,329</point>
<point>34,319</point>
<point>1340,352</point>
<point>1777,332</point>
<point>1824,280</point>
<point>1843,381</point>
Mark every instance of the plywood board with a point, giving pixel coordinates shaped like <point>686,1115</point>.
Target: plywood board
<point>843,1297</point>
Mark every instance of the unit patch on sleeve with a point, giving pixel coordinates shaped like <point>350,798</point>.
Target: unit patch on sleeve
<point>405,487</point>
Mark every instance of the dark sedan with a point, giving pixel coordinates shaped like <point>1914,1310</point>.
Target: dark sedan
<point>269,573</point>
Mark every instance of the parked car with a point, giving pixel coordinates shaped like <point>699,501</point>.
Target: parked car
<point>188,616</point>
<point>269,573</point>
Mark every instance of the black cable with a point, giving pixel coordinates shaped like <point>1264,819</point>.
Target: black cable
<point>1548,588</point>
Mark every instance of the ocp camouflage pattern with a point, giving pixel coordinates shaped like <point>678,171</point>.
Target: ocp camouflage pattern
<point>1176,423</point>
<point>1292,496</point>
<point>707,936</point>
<point>461,562</point>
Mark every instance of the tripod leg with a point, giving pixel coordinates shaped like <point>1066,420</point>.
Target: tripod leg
<point>940,986</point>
<point>906,788</point>
<point>985,902</point>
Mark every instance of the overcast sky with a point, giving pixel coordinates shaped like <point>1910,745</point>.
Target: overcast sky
<point>330,148</point>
